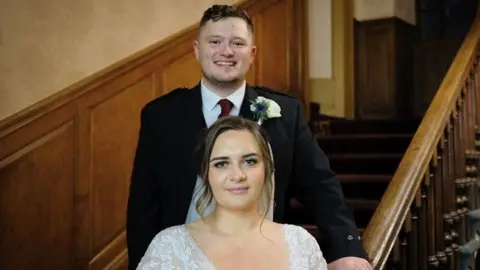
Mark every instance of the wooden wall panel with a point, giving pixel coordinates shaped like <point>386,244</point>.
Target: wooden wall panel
<point>185,72</point>
<point>383,68</point>
<point>65,163</point>
<point>376,56</point>
<point>113,149</point>
<point>36,202</point>
<point>272,67</point>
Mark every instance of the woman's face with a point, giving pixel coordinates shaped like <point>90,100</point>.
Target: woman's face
<point>236,171</point>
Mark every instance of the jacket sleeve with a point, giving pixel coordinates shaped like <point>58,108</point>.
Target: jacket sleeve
<point>143,205</point>
<point>317,187</point>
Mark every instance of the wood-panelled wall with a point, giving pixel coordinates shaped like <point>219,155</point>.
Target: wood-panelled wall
<point>383,68</point>
<point>65,163</point>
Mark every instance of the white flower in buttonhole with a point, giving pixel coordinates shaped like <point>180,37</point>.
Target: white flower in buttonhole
<point>264,108</point>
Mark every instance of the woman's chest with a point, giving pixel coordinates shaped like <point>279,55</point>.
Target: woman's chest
<point>261,256</point>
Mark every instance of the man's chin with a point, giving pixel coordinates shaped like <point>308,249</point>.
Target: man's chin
<point>227,80</point>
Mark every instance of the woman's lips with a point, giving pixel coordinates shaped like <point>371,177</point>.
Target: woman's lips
<point>238,191</point>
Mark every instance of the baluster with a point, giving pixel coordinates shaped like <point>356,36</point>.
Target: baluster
<point>423,236</point>
<point>460,185</point>
<point>466,97</point>
<point>403,236</point>
<point>394,261</point>
<point>432,213</point>
<point>414,246</point>
<point>470,176</point>
<point>439,203</point>
<point>475,96</point>
<point>457,169</point>
<point>448,194</point>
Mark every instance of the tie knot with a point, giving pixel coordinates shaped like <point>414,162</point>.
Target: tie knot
<point>226,106</point>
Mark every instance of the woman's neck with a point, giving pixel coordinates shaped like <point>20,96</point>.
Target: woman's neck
<point>229,223</point>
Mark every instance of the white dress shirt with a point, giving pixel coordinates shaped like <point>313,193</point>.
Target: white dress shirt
<point>211,110</point>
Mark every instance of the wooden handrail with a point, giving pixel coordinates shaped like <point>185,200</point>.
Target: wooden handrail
<point>386,224</point>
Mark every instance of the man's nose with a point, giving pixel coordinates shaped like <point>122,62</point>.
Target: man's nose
<point>226,50</point>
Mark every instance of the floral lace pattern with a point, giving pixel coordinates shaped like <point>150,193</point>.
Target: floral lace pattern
<point>174,249</point>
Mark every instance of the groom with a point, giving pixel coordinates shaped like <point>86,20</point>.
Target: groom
<point>164,175</point>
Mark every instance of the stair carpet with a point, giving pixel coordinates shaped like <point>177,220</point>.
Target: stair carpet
<point>364,154</point>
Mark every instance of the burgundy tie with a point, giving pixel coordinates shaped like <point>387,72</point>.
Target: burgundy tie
<point>226,106</point>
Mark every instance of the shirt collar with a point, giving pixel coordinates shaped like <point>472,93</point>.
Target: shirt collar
<point>210,99</point>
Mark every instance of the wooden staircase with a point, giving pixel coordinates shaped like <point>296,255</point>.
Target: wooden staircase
<point>365,155</point>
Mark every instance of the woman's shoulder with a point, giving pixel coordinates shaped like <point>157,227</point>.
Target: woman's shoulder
<point>297,230</point>
<point>304,248</point>
<point>297,235</point>
<point>170,234</point>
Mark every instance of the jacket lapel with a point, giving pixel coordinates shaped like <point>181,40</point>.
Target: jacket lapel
<point>250,95</point>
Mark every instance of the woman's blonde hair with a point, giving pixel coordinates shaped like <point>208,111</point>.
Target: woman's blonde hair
<point>204,152</point>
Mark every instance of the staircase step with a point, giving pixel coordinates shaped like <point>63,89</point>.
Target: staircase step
<point>364,186</point>
<point>364,143</point>
<point>370,163</point>
<point>362,211</point>
<point>365,178</point>
<point>380,126</point>
<point>313,230</point>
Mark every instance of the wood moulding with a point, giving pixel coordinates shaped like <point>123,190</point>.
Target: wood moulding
<point>65,162</point>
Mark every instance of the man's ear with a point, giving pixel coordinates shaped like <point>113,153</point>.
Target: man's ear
<point>253,52</point>
<point>195,48</point>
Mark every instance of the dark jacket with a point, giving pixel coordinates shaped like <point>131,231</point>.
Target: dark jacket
<point>164,175</point>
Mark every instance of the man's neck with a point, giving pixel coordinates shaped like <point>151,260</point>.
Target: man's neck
<point>223,90</point>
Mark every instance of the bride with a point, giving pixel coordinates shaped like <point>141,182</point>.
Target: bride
<point>236,161</point>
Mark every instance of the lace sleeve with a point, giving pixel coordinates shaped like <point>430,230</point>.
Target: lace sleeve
<point>309,254</point>
<point>315,256</point>
<point>160,253</point>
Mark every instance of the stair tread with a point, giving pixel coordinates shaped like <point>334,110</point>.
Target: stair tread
<point>364,155</point>
<point>369,178</point>
<point>313,230</point>
<point>354,202</point>
<point>364,136</point>
<point>314,227</point>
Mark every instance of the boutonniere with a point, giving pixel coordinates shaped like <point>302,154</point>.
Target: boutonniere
<point>264,108</point>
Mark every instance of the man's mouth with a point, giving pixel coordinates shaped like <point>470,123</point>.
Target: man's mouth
<point>225,63</point>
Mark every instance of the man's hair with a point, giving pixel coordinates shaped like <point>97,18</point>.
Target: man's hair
<point>218,12</point>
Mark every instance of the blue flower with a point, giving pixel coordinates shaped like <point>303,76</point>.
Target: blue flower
<point>264,108</point>
<point>259,107</point>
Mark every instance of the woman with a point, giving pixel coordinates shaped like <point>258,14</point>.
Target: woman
<point>238,167</point>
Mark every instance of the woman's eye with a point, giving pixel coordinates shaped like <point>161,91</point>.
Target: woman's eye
<point>251,161</point>
<point>220,164</point>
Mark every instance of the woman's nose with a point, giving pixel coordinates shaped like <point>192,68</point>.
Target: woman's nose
<point>238,174</point>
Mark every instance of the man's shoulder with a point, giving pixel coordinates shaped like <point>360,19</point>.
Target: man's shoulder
<point>275,95</point>
<point>170,99</point>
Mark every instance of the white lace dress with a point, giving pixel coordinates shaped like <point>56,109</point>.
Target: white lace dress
<point>174,248</point>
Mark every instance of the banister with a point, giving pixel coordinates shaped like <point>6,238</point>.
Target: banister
<point>386,223</point>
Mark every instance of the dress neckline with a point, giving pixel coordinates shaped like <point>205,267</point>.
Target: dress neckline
<point>204,256</point>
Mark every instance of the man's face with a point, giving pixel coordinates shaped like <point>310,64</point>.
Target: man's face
<point>225,51</point>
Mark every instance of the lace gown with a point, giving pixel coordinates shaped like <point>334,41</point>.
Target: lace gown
<point>174,248</point>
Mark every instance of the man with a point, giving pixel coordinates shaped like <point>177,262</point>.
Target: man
<point>164,174</point>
